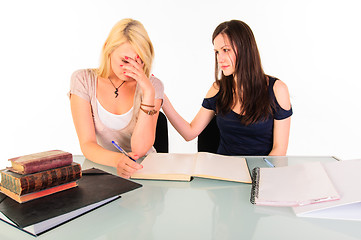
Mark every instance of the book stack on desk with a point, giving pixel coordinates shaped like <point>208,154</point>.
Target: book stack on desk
<point>95,189</point>
<point>39,174</point>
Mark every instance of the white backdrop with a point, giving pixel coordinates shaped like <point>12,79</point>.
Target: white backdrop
<point>313,46</point>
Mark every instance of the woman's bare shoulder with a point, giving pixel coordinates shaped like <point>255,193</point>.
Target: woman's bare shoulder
<point>212,91</point>
<point>282,95</point>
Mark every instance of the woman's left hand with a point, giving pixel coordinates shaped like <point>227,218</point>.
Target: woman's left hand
<point>134,69</point>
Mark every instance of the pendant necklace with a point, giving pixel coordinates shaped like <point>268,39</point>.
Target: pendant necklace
<point>116,88</point>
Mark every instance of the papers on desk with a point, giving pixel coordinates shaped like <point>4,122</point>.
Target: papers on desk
<point>346,176</point>
<point>292,185</point>
<point>317,190</point>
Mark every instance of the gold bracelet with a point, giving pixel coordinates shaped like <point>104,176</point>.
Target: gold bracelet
<point>145,105</point>
<point>149,112</point>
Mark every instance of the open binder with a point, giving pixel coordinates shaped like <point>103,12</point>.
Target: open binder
<point>295,185</point>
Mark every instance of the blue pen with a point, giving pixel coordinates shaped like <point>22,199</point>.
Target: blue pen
<point>268,162</point>
<point>122,151</point>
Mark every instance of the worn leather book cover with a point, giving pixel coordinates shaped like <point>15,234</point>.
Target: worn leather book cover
<point>35,195</point>
<point>23,184</point>
<point>42,161</point>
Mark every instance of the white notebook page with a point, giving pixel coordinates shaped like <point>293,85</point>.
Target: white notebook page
<point>295,185</point>
<point>222,167</point>
<point>175,163</point>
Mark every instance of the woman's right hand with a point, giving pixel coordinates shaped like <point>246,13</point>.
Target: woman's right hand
<point>127,167</point>
<point>134,69</point>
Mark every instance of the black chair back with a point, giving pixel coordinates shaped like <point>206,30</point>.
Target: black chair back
<point>161,143</point>
<point>208,140</point>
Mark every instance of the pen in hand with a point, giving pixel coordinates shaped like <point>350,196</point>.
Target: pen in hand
<point>122,151</point>
<point>268,162</point>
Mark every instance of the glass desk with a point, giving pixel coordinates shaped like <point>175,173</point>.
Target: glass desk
<point>200,209</point>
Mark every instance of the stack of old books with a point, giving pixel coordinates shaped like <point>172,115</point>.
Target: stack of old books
<point>39,174</point>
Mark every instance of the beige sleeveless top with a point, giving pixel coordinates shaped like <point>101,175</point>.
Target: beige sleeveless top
<point>83,84</point>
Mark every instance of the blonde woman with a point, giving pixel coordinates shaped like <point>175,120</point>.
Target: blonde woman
<point>119,101</point>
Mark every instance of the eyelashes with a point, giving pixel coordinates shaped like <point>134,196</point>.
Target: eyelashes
<point>225,50</point>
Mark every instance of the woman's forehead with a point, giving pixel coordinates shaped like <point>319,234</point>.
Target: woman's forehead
<point>221,41</point>
<point>125,49</point>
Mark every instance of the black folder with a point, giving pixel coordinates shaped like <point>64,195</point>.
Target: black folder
<point>96,188</point>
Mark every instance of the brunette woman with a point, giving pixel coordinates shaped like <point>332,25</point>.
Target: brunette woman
<point>252,109</point>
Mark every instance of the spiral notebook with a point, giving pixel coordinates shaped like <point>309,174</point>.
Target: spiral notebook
<point>295,185</point>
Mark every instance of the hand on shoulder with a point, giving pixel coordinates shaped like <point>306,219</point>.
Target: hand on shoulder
<point>282,95</point>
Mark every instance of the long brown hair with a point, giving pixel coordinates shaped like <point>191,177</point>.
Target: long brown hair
<point>252,83</point>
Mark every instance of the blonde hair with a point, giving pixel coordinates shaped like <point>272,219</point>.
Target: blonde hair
<point>132,31</point>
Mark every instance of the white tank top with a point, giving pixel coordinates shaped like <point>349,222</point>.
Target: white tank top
<point>114,121</point>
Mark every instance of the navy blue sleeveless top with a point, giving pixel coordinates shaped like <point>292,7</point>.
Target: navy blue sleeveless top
<point>256,139</point>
